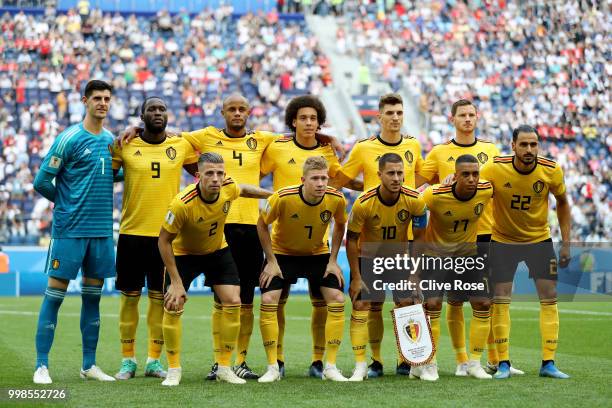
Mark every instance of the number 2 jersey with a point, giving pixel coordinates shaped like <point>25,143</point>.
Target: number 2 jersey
<point>520,202</point>
<point>152,174</point>
<point>81,164</point>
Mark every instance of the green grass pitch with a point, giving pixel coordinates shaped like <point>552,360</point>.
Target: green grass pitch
<point>584,353</point>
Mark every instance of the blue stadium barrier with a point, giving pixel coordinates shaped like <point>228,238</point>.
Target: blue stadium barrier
<point>28,263</point>
<point>173,6</point>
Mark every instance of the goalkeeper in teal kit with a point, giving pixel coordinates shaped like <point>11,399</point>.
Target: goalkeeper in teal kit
<point>82,236</point>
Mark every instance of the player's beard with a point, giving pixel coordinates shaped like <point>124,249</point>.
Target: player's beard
<point>156,129</point>
<point>237,128</point>
<point>528,160</point>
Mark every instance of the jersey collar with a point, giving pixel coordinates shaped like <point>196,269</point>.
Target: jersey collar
<point>463,199</point>
<point>202,197</point>
<point>383,201</point>
<point>524,173</point>
<point>235,137</point>
<point>304,147</point>
<point>306,202</point>
<point>464,145</point>
<point>380,139</point>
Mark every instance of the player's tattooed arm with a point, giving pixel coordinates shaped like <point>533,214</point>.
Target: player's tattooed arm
<point>335,144</point>
<point>352,254</point>
<point>133,132</point>
<point>175,295</point>
<point>342,180</point>
<point>250,191</point>
<point>565,217</point>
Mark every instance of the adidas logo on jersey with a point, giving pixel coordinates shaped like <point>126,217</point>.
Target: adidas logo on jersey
<point>376,217</point>
<point>508,185</point>
<point>137,153</point>
<point>219,143</point>
<point>200,219</point>
<point>291,161</point>
<point>451,159</point>
<point>87,151</point>
<point>295,216</point>
<point>448,213</point>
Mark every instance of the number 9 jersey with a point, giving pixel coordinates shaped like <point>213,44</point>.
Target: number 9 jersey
<point>520,201</point>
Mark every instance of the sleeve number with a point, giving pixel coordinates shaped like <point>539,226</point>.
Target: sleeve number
<point>459,222</point>
<point>237,157</point>
<point>155,168</point>
<point>520,202</point>
<point>389,232</point>
<point>309,228</point>
<point>213,229</point>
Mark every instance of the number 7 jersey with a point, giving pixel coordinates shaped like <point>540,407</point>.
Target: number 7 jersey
<point>152,175</point>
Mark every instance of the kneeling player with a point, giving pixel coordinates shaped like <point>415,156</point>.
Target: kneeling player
<point>451,235</point>
<point>382,216</point>
<point>192,242</point>
<point>297,248</point>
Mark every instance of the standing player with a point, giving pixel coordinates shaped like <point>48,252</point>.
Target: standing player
<point>301,216</point>
<point>152,166</point>
<point>191,242</point>
<point>380,215</point>
<point>82,236</point>
<point>454,215</point>
<point>440,163</point>
<point>521,232</point>
<point>364,159</point>
<point>285,158</point>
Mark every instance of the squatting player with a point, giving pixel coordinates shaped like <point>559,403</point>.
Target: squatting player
<point>522,183</point>
<point>191,242</point>
<point>455,212</point>
<point>363,158</point>
<point>152,166</point>
<point>380,216</point>
<point>440,163</point>
<point>301,216</point>
<point>82,236</point>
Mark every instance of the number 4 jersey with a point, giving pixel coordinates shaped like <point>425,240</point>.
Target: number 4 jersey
<point>520,201</point>
<point>152,175</point>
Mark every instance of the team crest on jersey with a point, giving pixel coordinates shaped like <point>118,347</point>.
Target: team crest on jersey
<point>478,209</point>
<point>409,156</point>
<point>325,216</point>
<point>226,207</point>
<point>171,153</point>
<point>403,215</point>
<point>412,330</point>
<point>251,143</point>
<point>538,186</point>
<point>482,157</point>
<point>55,264</point>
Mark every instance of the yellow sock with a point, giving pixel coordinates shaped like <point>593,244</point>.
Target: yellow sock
<point>244,335</point>
<point>359,334</point>
<point>280,314</point>
<point>173,328</point>
<point>230,326</point>
<point>317,328</point>
<point>491,348</point>
<point>334,329</point>
<point>128,322</point>
<point>216,329</point>
<point>479,330</point>
<point>456,330</point>
<point>376,329</point>
<point>155,316</point>
<point>268,324</point>
<point>501,327</point>
<point>434,323</point>
<point>549,328</point>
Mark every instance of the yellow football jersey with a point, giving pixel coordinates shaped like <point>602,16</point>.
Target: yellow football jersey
<point>440,162</point>
<point>285,159</point>
<point>301,228</point>
<point>199,224</point>
<point>365,154</point>
<point>451,219</point>
<point>377,221</point>
<point>520,203</point>
<point>152,178</point>
<point>242,156</point>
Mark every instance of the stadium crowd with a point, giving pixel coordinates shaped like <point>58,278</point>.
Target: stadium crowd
<point>191,61</point>
<point>531,62</point>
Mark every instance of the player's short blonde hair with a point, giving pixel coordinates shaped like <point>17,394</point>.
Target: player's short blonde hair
<point>314,163</point>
